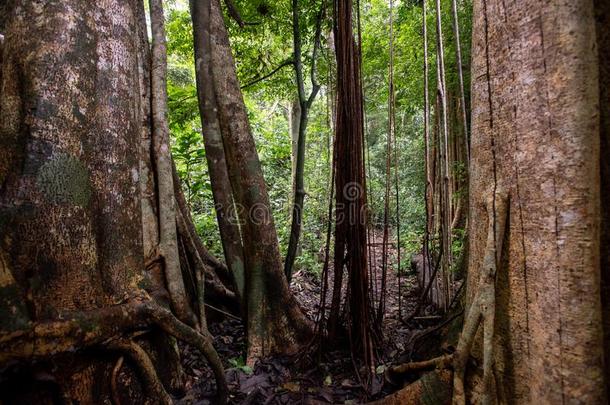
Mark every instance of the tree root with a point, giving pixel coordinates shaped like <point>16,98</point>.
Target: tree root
<point>441,363</point>
<point>482,310</point>
<point>146,368</point>
<point>101,328</point>
<point>113,381</point>
<point>219,282</point>
<point>431,388</point>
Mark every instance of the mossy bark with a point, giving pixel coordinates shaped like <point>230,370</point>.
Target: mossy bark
<point>68,243</point>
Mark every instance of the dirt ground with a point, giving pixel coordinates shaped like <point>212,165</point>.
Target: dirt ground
<point>328,378</point>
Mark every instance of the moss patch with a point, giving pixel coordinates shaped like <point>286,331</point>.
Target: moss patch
<point>64,179</point>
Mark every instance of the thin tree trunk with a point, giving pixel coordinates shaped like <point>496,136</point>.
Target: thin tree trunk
<point>388,174</point>
<point>166,358</point>
<point>445,169</point>
<point>294,119</point>
<point>275,322</point>
<point>458,57</point>
<point>428,190</point>
<point>168,236</point>
<point>214,147</point>
<point>305,103</point>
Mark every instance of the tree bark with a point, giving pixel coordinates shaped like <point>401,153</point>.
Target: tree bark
<point>75,130</point>
<point>294,118</point>
<point>275,323</point>
<point>535,133</point>
<point>215,154</point>
<point>602,9</point>
<point>168,236</point>
<point>68,237</point>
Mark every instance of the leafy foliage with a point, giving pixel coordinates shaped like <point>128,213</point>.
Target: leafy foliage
<point>265,43</point>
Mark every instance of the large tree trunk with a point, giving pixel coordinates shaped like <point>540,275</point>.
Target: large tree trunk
<point>535,127</point>
<point>274,321</point>
<point>603,43</point>
<point>68,240</point>
<point>78,222</point>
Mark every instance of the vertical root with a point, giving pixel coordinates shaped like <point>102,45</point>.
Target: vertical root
<point>482,310</point>
<point>202,341</point>
<point>113,381</point>
<point>483,307</point>
<point>153,384</point>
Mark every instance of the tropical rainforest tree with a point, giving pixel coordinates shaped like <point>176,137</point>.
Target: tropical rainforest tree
<point>274,321</point>
<point>534,273</point>
<point>79,208</point>
<point>135,148</point>
<point>534,300</point>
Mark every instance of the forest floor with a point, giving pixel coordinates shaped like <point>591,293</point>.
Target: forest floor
<point>331,377</point>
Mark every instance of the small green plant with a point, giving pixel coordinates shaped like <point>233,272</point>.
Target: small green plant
<point>240,364</point>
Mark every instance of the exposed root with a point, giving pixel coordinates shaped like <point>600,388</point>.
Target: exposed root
<point>99,327</point>
<point>482,310</point>
<point>441,362</point>
<point>483,307</point>
<point>431,388</point>
<point>217,269</point>
<point>116,400</point>
<point>219,282</point>
<point>152,383</point>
